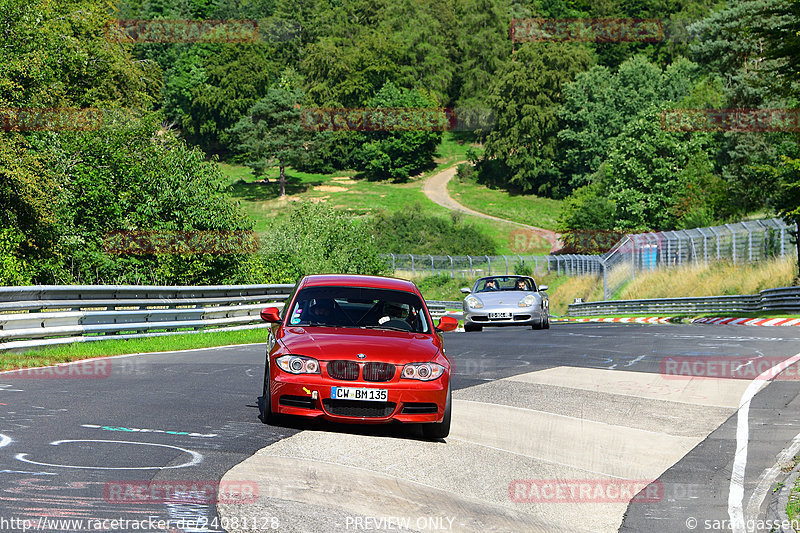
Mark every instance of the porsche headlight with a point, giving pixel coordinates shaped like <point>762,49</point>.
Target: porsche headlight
<point>474,302</point>
<point>298,364</point>
<point>528,301</point>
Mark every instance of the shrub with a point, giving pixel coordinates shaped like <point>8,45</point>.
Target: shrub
<point>416,232</point>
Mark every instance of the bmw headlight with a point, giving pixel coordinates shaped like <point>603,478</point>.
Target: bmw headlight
<point>528,301</point>
<point>474,302</point>
<point>422,371</point>
<point>298,364</point>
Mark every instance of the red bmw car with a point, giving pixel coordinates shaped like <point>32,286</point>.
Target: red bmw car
<point>357,349</point>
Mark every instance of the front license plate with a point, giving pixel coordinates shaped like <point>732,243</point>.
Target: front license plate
<point>359,393</point>
<point>499,315</point>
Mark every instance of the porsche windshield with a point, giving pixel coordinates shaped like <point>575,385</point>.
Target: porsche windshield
<point>355,307</point>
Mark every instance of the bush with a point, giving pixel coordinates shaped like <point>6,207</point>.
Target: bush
<point>465,171</point>
<point>523,269</point>
<point>313,238</point>
<point>414,232</point>
<point>137,177</point>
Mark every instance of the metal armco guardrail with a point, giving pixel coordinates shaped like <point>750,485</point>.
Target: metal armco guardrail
<point>43,315</point>
<point>779,299</point>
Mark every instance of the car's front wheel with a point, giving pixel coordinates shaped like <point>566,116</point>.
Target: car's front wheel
<point>439,430</point>
<point>265,401</point>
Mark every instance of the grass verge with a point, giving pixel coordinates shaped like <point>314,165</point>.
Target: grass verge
<point>523,208</point>
<point>85,350</point>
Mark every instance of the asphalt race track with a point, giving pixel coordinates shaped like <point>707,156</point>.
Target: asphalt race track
<point>553,430</point>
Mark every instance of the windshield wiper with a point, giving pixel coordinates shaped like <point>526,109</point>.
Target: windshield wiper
<point>392,328</point>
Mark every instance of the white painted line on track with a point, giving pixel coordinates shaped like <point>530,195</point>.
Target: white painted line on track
<point>5,440</point>
<point>196,457</point>
<point>736,492</point>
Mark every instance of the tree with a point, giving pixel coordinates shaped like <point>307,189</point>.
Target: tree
<point>599,103</point>
<point>272,132</point>
<point>484,47</point>
<point>398,154</point>
<point>787,200</point>
<point>649,169</point>
<point>526,98</point>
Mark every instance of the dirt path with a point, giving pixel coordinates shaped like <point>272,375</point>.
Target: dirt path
<point>435,188</point>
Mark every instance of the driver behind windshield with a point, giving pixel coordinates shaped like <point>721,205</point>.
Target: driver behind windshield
<point>322,311</point>
<point>491,285</point>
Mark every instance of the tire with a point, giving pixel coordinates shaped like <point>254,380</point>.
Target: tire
<point>440,430</point>
<point>547,323</point>
<point>265,413</point>
<point>472,327</point>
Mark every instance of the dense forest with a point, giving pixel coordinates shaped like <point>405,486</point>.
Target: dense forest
<point>572,119</point>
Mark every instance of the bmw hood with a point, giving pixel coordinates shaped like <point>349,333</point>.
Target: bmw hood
<point>327,344</point>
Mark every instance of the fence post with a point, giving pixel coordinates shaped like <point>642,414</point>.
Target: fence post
<point>490,264</point>
<point>413,272</point>
<point>433,267</point>
<point>718,243</point>
<point>393,267</point>
<point>535,264</point>
<point>506,258</point>
<point>733,246</point>
<point>471,270</point>
<point>605,281</point>
<point>783,244</point>
<point>633,258</point>
<point>452,268</point>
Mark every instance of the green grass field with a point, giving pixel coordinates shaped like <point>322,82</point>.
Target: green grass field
<point>359,196</point>
<point>524,208</point>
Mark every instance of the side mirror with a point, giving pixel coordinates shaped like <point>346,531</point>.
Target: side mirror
<point>271,314</point>
<point>543,288</point>
<point>447,323</point>
<point>466,290</point>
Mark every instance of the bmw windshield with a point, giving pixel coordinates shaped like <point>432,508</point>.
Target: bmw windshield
<point>356,307</point>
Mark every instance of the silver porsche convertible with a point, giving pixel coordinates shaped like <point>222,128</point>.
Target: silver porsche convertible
<point>506,301</point>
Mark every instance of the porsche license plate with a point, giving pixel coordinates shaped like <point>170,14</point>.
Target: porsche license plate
<point>359,393</point>
<point>499,315</point>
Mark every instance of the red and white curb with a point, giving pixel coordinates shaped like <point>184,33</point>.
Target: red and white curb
<point>629,319</point>
<point>749,321</point>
